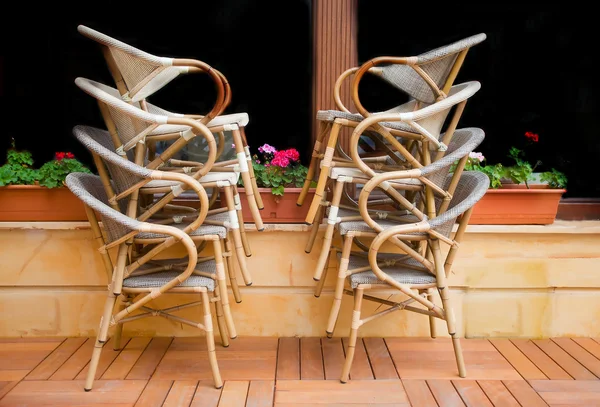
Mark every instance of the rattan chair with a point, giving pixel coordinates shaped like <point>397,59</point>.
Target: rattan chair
<point>138,75</point>
<point>425,78</point>
<point>347,218</point>
<point>140,282</point>
<point>414,274</point>
<point>129,127</point>
<point>430,146</point>
<point>124,174</point>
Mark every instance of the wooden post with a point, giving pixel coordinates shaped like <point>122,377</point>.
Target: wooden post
<point>334,51</point>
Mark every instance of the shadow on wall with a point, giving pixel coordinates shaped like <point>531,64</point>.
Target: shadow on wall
<point>266,60</point>
<point>536,69</point>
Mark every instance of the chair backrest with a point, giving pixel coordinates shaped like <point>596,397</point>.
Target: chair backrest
<point>123,172</point>
<point>470,189</point>
<point>89,189</point>
<point>142,73</point>
<point>438,64</point>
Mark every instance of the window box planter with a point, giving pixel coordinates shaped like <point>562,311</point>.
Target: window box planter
<point>516,205</point>
<point>279,209</point>
<point>30,203</point>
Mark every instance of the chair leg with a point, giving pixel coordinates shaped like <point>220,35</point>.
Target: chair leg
<point>237,239</point>
<point>259,201</point>
<point>119,328</point>
<point>314,162</point>
<point>324,175</point>
<point>358,296</point>
<point>432,328</point>
<point>332,220</point>
<point>321,282</point>
<point>241,156</point>
<point>210,341</point>
<point>222,287</point>
<point>231,271</point>
<point>315,229</point>
<point>238,209</point>
<point>446,303</point>
<point>221,321</point>
<point>100,339</point>
<point>339,287</point>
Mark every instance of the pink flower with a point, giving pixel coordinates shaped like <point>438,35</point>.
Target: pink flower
<point>477,156</point>
<point>267,149</point>
<point>232,145</point>
<point>292,154</point>
<point>267,165</point>
<point>281,159</point>
<point>258,161</point>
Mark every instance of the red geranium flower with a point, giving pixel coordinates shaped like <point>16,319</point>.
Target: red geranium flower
<point>532,136</point>
<point>280,159</point>
<point>69,155</point>
<point>292,154</point>
<point>59,156</point>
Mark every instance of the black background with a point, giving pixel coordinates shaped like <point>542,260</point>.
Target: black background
<point>536,68</point>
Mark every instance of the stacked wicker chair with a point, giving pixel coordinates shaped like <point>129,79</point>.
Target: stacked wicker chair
<point>394,209</point>
<point>135,190</point>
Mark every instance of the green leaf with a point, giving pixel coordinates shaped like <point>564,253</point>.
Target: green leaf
<point>554,178</point>
<point>278,190</point>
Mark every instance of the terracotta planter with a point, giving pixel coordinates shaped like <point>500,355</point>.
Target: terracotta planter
<point>279,209</point>
<point>517,205</point>
<point>29,203</point>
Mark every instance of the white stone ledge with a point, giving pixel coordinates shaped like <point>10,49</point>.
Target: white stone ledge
<point>558,227</point>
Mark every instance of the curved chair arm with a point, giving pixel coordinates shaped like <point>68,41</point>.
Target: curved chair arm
<point>368,66</point>
<point>382,237</point>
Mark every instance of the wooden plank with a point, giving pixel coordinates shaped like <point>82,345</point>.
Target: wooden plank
<point>471,393</point>
<point>445,394</point>
<point>498,393</point>
<point>181,393</point>
<point>427,359</point>
<point>571,399</point>
<point>570,365</point>
<point>56,359</point>
<point>548,366</point>
<point>566,385</point>
<point>590,345</point>
<point>579,354</point>
<point>361,368</point>
<point>126,359</point>
<point>154,394</point>
<point>24,356</point>
<point>249,359</point>
<point>206,395</point>
<point>333,358</point>
<point>311,359</point>
<point>63,393</point>
<point>518,360</point>
<point>147,363</point>
<point>5,387</point>
<point>261,393</point>
<point>288,359</point>
<point>234,394</point>
<point>381,361</point>
<point>418,393</point>
<point>77,361</point>
<point>524,394</point>
<point>107,356</point>
<point>315,392</point>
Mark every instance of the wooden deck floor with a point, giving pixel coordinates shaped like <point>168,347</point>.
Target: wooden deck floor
<point>296,372</point>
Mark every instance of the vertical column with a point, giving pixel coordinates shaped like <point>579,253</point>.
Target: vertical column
<point>334,51</point>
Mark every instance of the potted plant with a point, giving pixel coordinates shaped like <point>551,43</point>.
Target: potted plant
<point>279,176</point>
<point>517,195</point>
<point>29,194</point>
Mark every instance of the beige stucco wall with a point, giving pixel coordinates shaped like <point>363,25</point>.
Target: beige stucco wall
<point>518,281</point>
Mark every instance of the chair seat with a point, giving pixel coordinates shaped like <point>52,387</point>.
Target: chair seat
<point>203,230</point>
<point>398,270</point>
<point>362,226</point>
<point>163,277</point>
<point>331,115</point>
<point>241,119</point>
<point>337,172</point>
<point>231,177</point>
